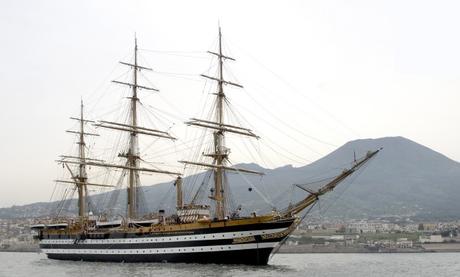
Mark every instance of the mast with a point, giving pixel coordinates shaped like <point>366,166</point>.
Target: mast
<point>179,197</point>
<point>133,152</point>
<point>221,152</point>
<point>219,141</point>
<point>132,155</point>
<point>82,177</point>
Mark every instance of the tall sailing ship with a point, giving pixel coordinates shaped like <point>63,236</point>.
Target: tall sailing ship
<point>195,232</point>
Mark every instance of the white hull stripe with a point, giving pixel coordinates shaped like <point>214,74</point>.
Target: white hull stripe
<point>160,251</point>
<point>198,237</point>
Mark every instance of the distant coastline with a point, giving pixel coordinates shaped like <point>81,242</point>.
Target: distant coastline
<point>315,248</point>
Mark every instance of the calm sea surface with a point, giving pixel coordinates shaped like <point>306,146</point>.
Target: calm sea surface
<point>419,264</point>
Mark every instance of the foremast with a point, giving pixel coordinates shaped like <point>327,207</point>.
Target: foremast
<point>221,152</point>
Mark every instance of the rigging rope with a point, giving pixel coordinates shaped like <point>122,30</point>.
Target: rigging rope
<point>304,95</point>
<point>295,224</point>
<point>255,188</point>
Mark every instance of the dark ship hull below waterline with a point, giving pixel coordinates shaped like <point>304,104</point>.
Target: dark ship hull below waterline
<point>249,257</point>
<point>245,244</point>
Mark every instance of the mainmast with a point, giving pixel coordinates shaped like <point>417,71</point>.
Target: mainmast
<point>132,155</point>
<point>82,177</point>
<point>221,152</point>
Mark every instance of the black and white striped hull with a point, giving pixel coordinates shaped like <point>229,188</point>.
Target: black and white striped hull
<point>247,244</point>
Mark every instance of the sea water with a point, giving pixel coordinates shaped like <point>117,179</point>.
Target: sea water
<point>393,264</point>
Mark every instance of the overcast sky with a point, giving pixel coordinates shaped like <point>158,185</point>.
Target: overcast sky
<point>316,73</point>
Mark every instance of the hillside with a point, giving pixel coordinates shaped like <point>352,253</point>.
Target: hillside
<point>406,179</point>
